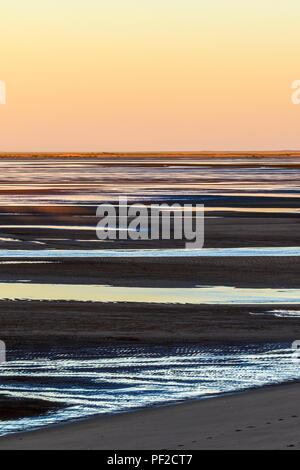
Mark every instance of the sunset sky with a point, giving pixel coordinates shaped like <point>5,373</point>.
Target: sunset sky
<point>113,75</point>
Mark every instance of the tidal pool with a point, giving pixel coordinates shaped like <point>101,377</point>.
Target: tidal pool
<point>25,290</point>
<point>163,253</point>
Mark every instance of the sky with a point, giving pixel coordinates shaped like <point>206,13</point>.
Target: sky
<point>149,75</point>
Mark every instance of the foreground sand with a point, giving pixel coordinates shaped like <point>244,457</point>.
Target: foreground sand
<point>262,419</point>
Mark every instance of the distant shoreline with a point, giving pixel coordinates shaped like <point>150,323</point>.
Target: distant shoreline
<point>156,154</point>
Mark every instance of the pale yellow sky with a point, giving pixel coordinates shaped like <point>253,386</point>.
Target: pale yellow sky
<point>101,75</point>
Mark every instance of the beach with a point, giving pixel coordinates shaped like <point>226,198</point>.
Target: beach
<point>149,228</point>
<point>97,327</point>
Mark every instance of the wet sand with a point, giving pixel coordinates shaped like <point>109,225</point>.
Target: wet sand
<point>244,271</point>
<point>225,231</point>
<point>260,419</point>
<point>88,322</point>
<point>81,324</point>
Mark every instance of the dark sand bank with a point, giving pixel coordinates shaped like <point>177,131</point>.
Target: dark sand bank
<point>81,324</point>
<point>63,231</point>
<point>244,271</point>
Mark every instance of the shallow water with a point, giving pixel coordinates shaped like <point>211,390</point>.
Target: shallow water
<point>25,290</point>
<point>161,253</point>
<point>111,379</point>
<point>70,182</point>
<point>280,313</point>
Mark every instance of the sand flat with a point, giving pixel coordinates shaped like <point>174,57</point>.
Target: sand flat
<point>247,212</point>
<point>86,323</point>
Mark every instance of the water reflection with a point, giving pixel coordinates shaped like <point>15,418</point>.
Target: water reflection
<point>280,313</point>
<point>25,290</point>
<point>65,182</point>
<point>160,253</point>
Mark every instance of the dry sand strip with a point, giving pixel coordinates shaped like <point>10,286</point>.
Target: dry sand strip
<point>268,418</point>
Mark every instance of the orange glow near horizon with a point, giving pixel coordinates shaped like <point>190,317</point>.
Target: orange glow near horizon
<point>137,75</point>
